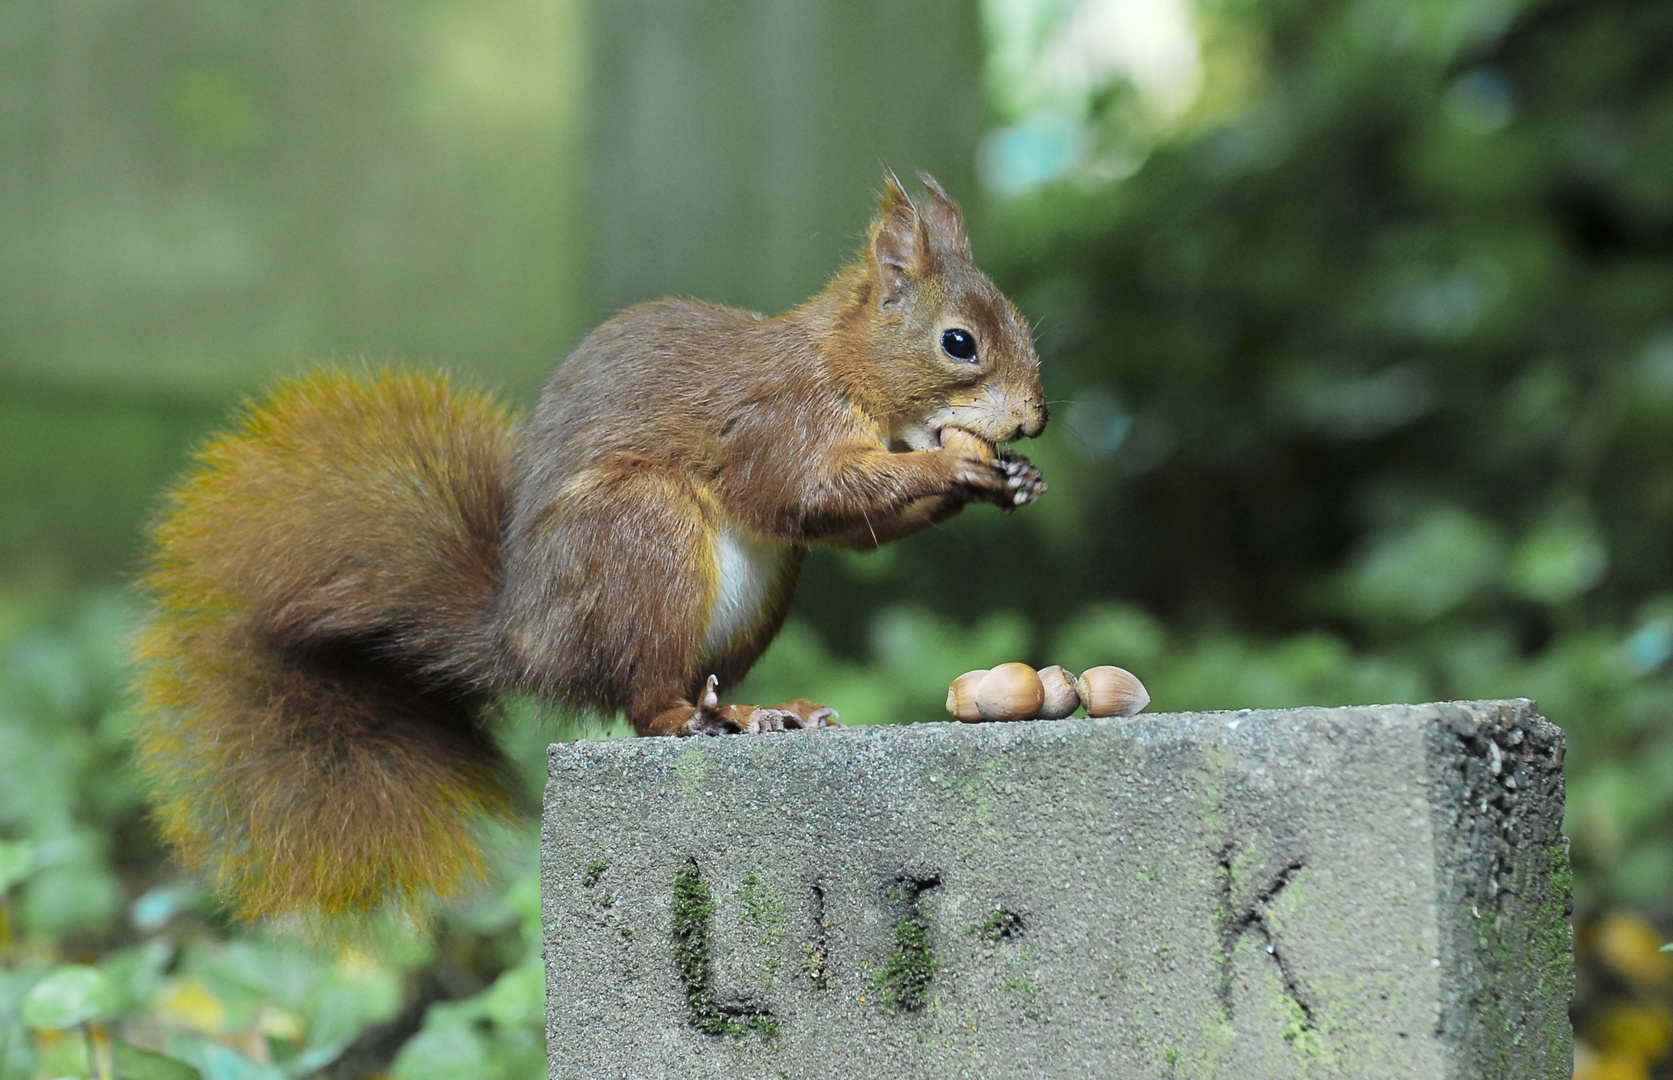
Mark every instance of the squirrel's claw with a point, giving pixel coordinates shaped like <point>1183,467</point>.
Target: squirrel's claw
<point>708,718</point>
<point>822,716</point>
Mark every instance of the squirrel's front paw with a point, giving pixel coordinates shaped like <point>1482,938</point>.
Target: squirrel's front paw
<point>1024,483</point>
<point>1008,480</point>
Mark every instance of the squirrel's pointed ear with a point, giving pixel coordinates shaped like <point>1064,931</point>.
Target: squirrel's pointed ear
<point>899,240</point>
<point>945,219</point>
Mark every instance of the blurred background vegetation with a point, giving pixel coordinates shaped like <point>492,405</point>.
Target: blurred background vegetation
<point>1357,316</point>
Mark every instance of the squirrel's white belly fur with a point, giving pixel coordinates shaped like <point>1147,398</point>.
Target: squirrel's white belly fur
<point>750,570</point>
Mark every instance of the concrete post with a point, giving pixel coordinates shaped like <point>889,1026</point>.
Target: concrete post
<point>1356,892</point>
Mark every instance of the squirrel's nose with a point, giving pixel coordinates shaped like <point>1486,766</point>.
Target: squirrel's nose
<point>1037,424</point>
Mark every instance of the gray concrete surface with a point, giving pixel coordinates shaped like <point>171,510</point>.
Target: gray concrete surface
<point>1355,892</point>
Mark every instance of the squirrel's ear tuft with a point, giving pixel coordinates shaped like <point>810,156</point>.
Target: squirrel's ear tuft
<point>900,243</point>
<point>944,218</point>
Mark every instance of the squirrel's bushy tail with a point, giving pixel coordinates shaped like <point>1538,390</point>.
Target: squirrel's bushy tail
<point>315,670</point>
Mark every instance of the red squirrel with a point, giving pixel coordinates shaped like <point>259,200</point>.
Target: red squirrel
<point>345,585</point>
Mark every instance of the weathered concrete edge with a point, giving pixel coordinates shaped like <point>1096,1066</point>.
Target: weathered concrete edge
<point>1505,889</point>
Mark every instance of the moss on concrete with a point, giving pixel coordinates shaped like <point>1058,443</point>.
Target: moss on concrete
<point>694,908</point>
<point>692,767</point>
<point>763,911</point>
<point>906,976</point>
<point>1000,924</point>
<point>593,871</point>
<point>910,969</point>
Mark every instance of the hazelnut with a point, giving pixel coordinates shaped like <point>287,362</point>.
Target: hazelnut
<point>967,442</point>
<point>1061,696</point>
<point>961,696</point>
<point>1010,692</point>
<point>1111,691</point>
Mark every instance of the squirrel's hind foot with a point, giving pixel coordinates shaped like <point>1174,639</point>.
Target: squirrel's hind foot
<point>802,713</point>
<point>712,718</point>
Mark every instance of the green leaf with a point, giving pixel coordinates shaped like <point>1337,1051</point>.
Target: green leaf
<point>217,1062</point>
<point>71,896</point>
<point>17,861</point>
<point>448,1048</point>
<point>517,998</point>
<point>1430,567</point>
<point>132,1063</point>
<point>153,911</point>
<point>137,973</point>
<point>1559,560</point>
<point>344,1006</point>
<point>70,994</point>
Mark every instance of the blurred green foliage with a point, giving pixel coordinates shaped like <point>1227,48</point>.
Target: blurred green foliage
<point>103,948</point>
<point>1376,360</point>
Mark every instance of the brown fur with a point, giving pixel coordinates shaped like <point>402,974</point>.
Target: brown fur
<point>815,426</point>
<point>344,584</point>
<point>315,671</point>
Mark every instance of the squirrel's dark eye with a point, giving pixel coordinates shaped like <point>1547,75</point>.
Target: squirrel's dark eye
<point>959,344</point>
